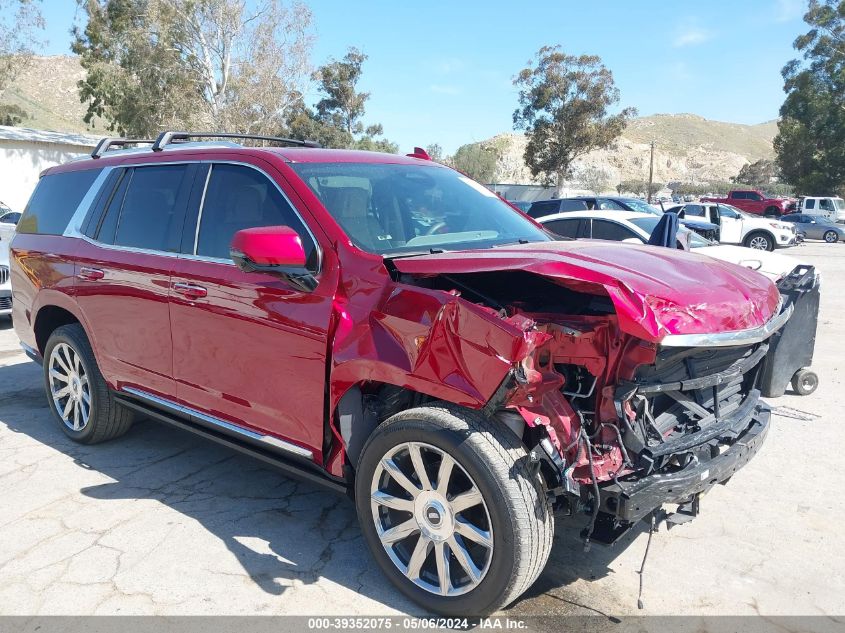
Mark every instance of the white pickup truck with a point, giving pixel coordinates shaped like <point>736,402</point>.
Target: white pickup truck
<point>738,227</point>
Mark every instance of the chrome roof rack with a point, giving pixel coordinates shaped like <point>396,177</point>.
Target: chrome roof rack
<point>106,143</point>
<point>166,138</point>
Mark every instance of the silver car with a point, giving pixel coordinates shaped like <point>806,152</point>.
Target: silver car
<point>815,227</point>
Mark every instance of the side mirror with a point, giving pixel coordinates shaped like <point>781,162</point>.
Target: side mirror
<point>273,249</point>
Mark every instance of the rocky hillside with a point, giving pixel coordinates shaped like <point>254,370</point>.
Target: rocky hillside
<point>47,92</point>
<point>688,148</point>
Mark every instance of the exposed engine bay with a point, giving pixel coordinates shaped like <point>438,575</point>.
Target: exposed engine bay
<point>618,426</point>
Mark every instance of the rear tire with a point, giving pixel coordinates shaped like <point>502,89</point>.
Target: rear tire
<point>506,532</point>
<point>77,394</point>
<point>759,241</point>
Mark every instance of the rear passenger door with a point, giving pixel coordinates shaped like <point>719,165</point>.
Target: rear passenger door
<point>249,348</point>
<point>123,271</point>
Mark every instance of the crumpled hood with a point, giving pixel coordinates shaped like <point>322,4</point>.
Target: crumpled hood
<point>656,291</point>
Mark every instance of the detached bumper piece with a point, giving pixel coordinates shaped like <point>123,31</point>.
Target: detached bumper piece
<point>791,348</point>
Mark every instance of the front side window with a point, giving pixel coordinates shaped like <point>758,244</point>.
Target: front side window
<point>238,198</point>
<point>825,205</point>
<point>392,209</point>
<point>608,205</point>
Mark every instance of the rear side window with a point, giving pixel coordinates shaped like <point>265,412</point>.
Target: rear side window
<point>604,230</point>
<point>573,205</point>
<point>54,201</point>
<point>809,204</point>
<point>147,209</point>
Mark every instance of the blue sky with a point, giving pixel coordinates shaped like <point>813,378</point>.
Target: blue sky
<point>441,72</point>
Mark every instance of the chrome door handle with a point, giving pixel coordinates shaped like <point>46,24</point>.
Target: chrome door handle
<point>90,274</point>
<point>192,291</point>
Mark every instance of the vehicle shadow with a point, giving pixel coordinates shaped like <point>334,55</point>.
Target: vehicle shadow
<point>280,530</point>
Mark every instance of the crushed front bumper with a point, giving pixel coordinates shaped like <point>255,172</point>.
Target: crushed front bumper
<point>625,502</point>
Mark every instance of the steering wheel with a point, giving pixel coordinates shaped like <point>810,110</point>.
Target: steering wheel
<point>432,230</point>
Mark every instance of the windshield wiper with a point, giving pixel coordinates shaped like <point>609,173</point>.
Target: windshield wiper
<point>428,251</point>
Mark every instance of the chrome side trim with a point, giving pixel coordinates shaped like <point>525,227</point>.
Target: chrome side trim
<point>264,439</point>
<point>729,339</point>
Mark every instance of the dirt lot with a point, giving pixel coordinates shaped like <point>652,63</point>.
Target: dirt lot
<point>161,522</point>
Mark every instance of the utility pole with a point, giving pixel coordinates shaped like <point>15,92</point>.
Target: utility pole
<point>650,172</point>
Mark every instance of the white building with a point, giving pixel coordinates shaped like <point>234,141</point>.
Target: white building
<point>25,153</point>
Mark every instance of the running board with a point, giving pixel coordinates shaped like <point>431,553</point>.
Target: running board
<point>301,469</point>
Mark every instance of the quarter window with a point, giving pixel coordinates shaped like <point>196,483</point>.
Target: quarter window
<point>238,198</point>
<point>55,200</point>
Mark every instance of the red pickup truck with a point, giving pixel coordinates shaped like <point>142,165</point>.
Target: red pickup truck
<point>754,201</point>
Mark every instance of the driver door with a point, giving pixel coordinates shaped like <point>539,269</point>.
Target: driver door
<point>249,349</point>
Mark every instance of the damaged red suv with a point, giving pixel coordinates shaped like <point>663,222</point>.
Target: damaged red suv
<point>386,326</point>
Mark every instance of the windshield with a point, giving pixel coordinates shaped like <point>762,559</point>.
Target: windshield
<point>839,204</point>
<point>648,225</point>
<point>392,209</point>
<point>641,206</point>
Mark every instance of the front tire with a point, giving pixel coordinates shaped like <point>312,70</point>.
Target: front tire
<point>77,394</point>
<point>760,242</point>
<point>830,237</point>
<point>451,511</point>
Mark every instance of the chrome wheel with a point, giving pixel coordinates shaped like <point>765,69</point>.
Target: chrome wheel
<point>69,387</point>
<point>759,242</point>
<point>431,519</point>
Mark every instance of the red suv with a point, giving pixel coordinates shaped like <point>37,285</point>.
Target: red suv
<point>388,327</point>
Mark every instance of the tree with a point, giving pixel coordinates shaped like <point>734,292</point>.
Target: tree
<point>760,173</point>
<point>595,179</point>
<point>476,161</point>
<point>563,107</point>
<point>342,105</point>
<point>222,64</point>
<point>20,23</point>
<point>336,120</point>
<point>12,115</point>
<point>435,152</point>
<point>810,145</point>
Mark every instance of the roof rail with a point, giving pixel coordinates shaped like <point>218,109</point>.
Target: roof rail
<point>166,138</point>
<point>104,144</point>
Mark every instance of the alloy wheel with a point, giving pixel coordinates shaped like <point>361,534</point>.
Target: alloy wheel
<point>830,237</point>
<point>759,242</point>
<point>70,388</point>
<point>431,519</point>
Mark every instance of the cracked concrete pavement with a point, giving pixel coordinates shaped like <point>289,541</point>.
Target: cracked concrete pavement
<point>161,522</point>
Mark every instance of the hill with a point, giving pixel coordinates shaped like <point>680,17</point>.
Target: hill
<point>47,92</point>
<point>688,148</point>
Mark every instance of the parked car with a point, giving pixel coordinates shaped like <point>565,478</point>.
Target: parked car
<point>738,227</point>
<point>389,328</point>
<point>5,281</point>
<point>815,227</point>
<point>756,202</point>
<point>636,228</point>
<point>540,208</point>
<point>828,207</point>
<point>522,205</point>
<point>8,222</point>
<point>705,229</point>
